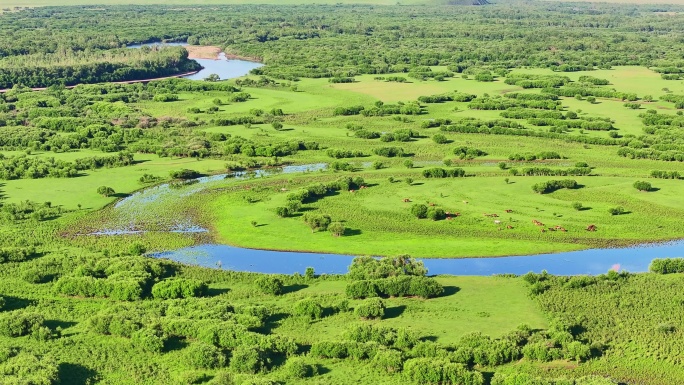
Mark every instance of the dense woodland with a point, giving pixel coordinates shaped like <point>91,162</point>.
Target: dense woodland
<point>38,47</point>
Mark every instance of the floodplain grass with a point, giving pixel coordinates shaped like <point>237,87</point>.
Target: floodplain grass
<point>308,116</point>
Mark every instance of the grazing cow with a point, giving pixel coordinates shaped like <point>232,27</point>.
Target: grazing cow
<point>509,211</point>
<point>509,227</point>
<point>591,228</point>
<point>543,230</point>
<point>406,200</point>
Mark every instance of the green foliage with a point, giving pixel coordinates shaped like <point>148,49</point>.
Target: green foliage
<point>553,185</point>
<point>201,355</point>
<point>248,359</point>
<point>374,268</point>
<point>370,308</point>
<point>429,371</point>
<point>179,288</point>
<point>308,308</point>
<point>17,324</point>
<point>642,186</point>
<point>297,368</point>
<point>269,284</point>
<point>105,191</point>
<point>419,210</point>
<point>667,265</point>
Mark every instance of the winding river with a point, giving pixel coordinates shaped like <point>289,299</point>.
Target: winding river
<point>224,68</point>
<point>591,261</point>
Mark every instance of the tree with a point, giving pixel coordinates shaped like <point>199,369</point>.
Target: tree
<point>105,191</point>
<point>277,126</point>
<point>436,214</point>
<point>377,165</point>
<point>408,163</point>
<point>308,308</point>
<point>409,181</point>
<point>269,284</point>
<point>212,78</point>
<point>419,210</point>
<point>616,210</point>
<point>282,211</point>
<point>371,308</point>
<point>577,206</point>
<point>248,359</point>
<point>336,229</point>
<point>317,221</point>
<point>440,139</point>
<point>642,186</point>
<point>201,355</point>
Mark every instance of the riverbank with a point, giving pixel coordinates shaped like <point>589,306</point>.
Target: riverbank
<point>123,82</point>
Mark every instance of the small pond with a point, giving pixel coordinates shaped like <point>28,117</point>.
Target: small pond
<point>224,68</point>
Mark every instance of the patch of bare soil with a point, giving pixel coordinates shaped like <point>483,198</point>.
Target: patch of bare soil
<point>203,51</point>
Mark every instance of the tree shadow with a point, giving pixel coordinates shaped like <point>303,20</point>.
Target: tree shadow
<point>120,195</point>
<point>654,189</point>
<point>417,184</point>
<point>394,312</point>
<point>16,303</point>
<point>293,288</point>
<point>75,374</point>
<point>320,369</point>
<point>174,343</point>
<point>215,291</point>
<point>286,129</point>
<point>450,290</point>
<point>585,209</point>
<point>351,232</point>
<point>429,338</point>
<point>261,224</point>
<point>272,322</point>
<point>54,324</point>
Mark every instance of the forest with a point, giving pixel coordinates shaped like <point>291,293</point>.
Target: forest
<point>440,194</point>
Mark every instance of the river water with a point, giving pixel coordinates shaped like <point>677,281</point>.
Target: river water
<point>225,69</point>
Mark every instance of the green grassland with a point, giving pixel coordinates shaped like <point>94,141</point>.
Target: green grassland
<point>378,220</point>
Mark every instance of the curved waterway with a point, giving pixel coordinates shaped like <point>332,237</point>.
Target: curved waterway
<point>592,261</point>
<point>221,66</point>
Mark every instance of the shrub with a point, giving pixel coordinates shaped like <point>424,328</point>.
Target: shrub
<point>137,249</point>
<point>436,214</point>
<point>248,359</point>
<point>105,191</point>
<point>553,185</point>
<point>283,211</point>
<point>642,186</point>
<point>667,265</point>
<point>269,284</point>
<point>371,308</point>
<point>419,210</point>
<point>308,308</point>
<point>361,289</point>
<point>336,229</point>
<point>179,288</point>
<point>297,368</point>
<point>390,361</point>
<point>440,139</point>
<point>148,340</point>
<point>577,206</point>
<point>616,210</point>
<point>17,324</point>
<point>184,174</point>
<point>201,355</point>
<point>425,287</point>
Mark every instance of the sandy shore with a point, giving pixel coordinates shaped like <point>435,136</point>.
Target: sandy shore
<point>203,51</point>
